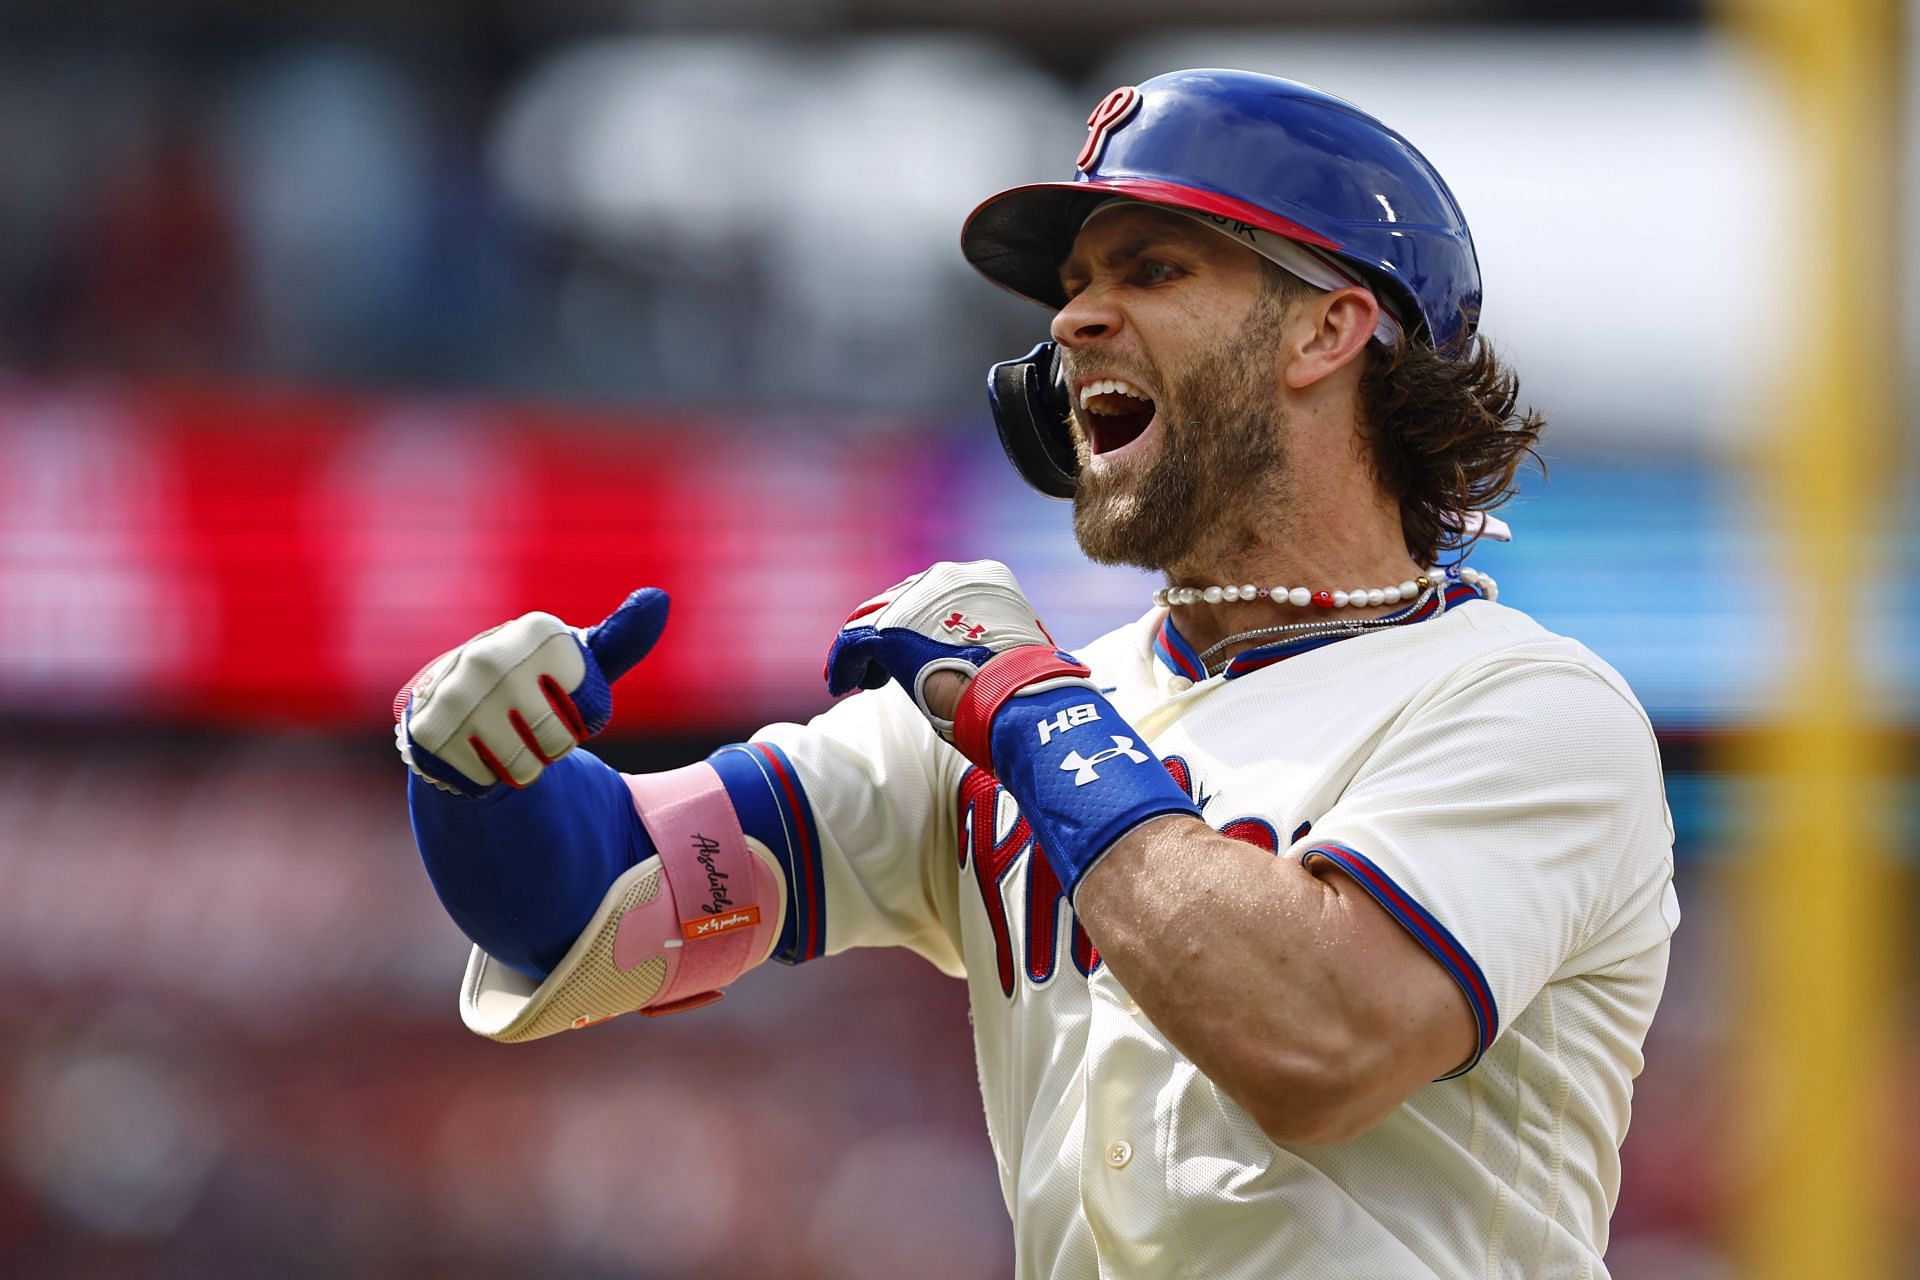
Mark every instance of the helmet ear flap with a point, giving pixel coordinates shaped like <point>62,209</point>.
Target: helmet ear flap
<point>1030,407</point>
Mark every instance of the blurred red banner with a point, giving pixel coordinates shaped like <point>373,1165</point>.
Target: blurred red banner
<point>241,556</point>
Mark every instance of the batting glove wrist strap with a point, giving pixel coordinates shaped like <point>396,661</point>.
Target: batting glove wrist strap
<point>1083,776</point>
<point>1030,670</point>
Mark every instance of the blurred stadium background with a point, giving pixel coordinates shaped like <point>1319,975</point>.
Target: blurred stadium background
<point>331,332</point>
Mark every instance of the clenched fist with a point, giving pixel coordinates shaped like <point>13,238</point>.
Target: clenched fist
<point>960,639</point>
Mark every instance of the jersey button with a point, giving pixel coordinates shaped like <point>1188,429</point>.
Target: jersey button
<point>1179,684</point>
<point>1118,1153</point>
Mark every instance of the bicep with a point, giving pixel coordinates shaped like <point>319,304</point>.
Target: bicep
<point>1499,825</point>
<point>1396,992</point>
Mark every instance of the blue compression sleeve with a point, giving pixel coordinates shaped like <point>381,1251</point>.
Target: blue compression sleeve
<point>1083,777</point>
<point>521,872</point>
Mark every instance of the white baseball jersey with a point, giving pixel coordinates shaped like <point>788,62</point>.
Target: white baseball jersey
<point>1493,785</point>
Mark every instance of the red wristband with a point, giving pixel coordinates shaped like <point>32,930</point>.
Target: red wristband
<point>1001,678</point>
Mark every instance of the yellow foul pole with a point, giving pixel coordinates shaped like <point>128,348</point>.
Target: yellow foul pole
<point>1815,957</point>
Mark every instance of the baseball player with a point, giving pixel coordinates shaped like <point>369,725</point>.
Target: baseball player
<point>1314,922</point>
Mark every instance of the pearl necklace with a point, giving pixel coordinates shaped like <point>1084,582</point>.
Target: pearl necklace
<point>1416,593</point>
<point>1358,598</point>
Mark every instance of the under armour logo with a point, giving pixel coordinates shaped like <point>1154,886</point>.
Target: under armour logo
<point>972,631</point>
<point>1082,767</point>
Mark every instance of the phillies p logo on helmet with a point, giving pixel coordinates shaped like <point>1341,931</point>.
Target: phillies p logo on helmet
<point>1113,111</point>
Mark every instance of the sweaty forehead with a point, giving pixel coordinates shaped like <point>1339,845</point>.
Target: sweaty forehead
<point>1124,231</point>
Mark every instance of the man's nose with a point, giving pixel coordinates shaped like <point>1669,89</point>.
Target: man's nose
<point>1086,317</point>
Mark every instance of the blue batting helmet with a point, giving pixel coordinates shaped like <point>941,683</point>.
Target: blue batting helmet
<point>1273,153</point>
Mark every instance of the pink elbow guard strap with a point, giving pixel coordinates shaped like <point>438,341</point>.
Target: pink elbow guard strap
<point>720,910</point>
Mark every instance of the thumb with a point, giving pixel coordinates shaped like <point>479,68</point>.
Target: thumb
<point>628,633</point>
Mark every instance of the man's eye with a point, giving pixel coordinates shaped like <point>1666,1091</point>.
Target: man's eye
<point>1156,271</point>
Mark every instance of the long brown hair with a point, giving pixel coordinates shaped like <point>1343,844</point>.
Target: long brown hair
<point>1444,437</point>
<point>1442,431</point>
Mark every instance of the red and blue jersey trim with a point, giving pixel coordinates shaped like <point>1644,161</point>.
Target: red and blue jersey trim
<point>773,807</point>
<point>1180,657</point>
<point>1429,932</point>
<point>1172,649</point>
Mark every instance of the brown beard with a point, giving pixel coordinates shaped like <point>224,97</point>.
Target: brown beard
<point>1219,468</point>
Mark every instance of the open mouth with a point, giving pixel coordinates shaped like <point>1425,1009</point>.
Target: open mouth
<point>1115,413</point>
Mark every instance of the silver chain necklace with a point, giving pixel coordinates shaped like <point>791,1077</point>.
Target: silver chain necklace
<point>1319,630</point>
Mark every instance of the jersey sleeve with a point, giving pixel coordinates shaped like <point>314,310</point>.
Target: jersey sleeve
<point>1508,824</point>
<point>862,800</point>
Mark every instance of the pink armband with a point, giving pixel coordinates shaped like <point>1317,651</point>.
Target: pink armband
<point>720,910</point>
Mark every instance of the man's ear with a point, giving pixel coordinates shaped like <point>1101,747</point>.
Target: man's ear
<point>1336,328</point>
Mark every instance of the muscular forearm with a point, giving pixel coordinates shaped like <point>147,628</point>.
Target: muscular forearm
<point>1278,984</point>
<point>1292,990</point>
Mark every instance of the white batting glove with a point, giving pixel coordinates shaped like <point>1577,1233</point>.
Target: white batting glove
<point>951,617</point>
<point>509,702</point>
